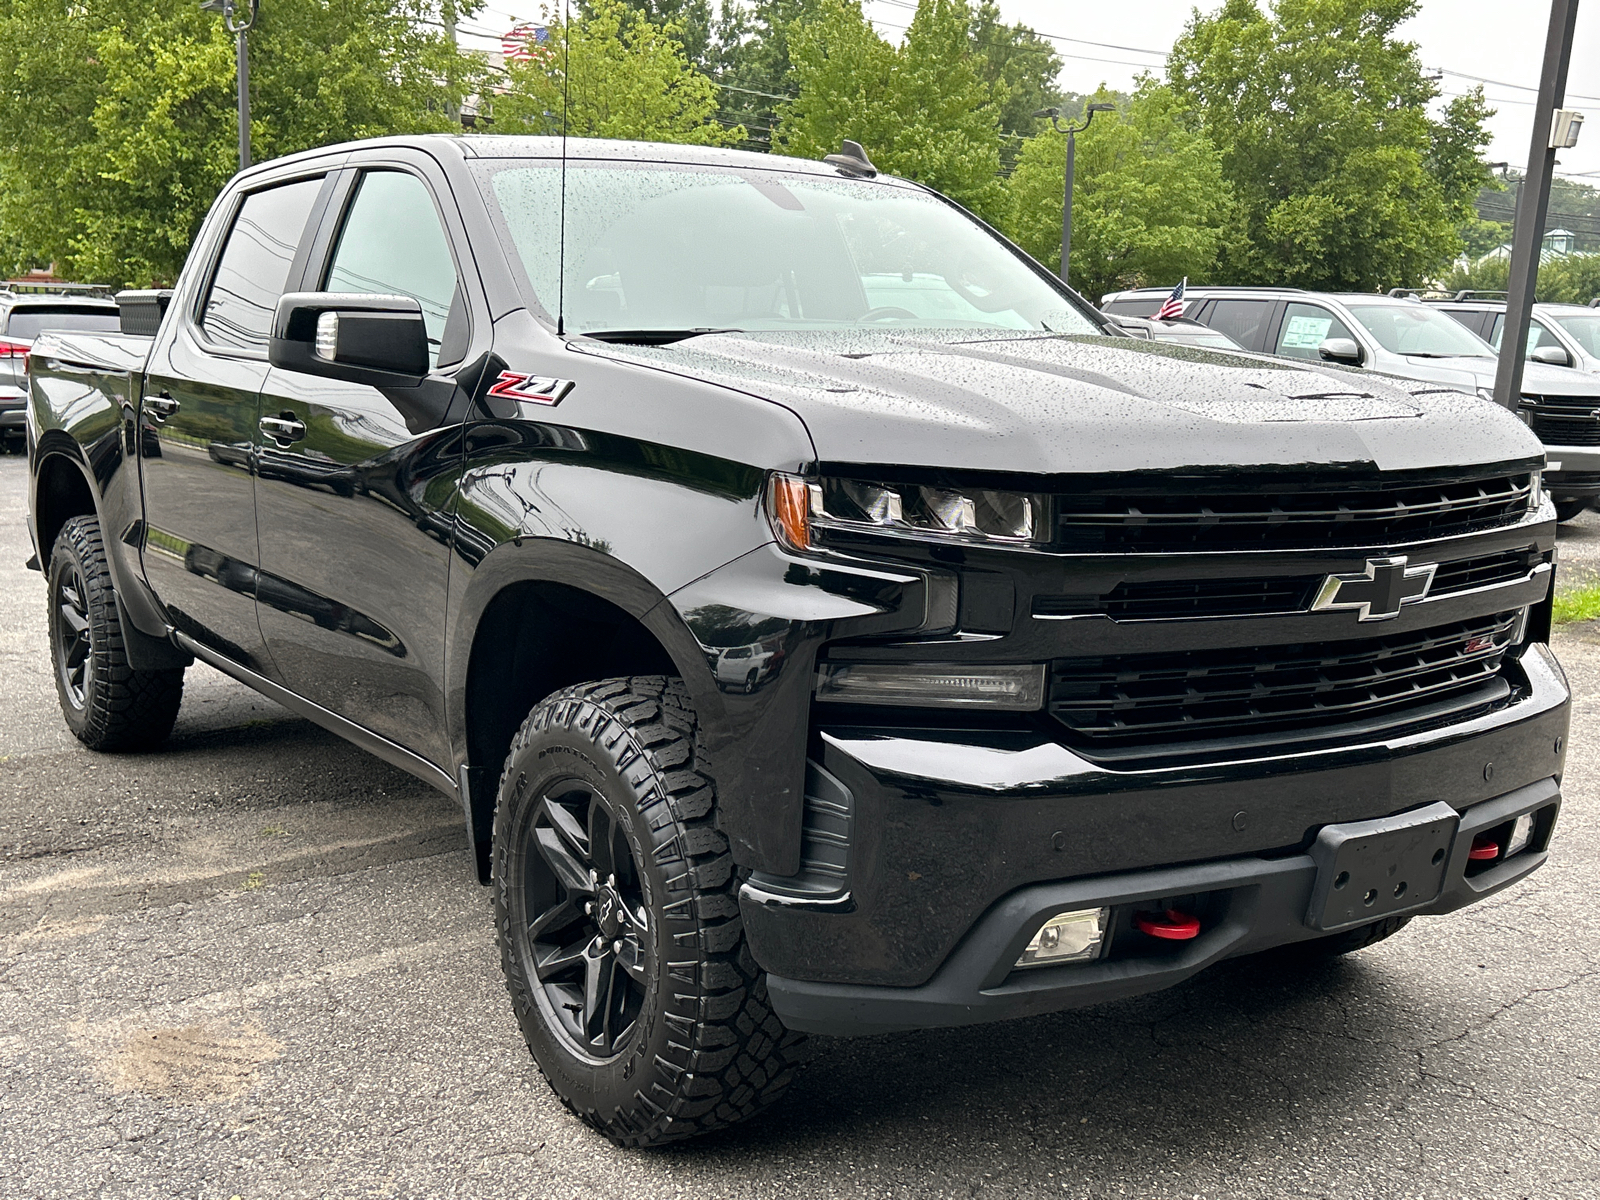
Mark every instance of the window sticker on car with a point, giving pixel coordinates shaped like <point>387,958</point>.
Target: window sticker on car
<point>1305,333</point>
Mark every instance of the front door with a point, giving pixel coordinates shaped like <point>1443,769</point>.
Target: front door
<point>200,550</point>
<point>352,502</point>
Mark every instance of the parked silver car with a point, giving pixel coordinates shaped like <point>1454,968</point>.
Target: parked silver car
<point>1405,337</point>
<point>1560,335</point>
<point>22,318</point>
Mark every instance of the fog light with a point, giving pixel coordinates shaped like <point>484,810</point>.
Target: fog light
<point>1066,937</point>
<point>1018,688</point>
<point>1521,835</point>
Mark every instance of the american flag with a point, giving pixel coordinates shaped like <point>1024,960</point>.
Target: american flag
<point>520,43</point>
<point>1172,308</point>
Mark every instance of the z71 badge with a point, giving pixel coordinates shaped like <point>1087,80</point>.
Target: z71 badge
<point>535,389</point>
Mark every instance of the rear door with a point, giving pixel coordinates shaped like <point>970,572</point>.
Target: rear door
<point>353,504</point>
<point>199,416</point>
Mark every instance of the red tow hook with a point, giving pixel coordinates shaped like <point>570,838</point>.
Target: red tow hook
<point>1485,848</point>
<point>1172,925</point>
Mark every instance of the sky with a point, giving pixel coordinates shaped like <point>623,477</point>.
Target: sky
<point>1471,41</point>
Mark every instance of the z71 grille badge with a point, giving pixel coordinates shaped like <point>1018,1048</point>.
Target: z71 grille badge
<point>1379,592</point>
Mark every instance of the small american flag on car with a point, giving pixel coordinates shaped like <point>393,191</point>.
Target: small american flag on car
<point>1172,308</point>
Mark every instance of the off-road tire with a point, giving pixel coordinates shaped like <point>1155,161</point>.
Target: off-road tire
<point>1570,510</point>
<point>1351,940</point>
<point>705,1050</point>
<point>107,704</point>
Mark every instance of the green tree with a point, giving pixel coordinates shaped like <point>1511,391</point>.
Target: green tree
<point>922,110</point>
<point>625,77</point>
<point>1021,67</point>
<point>691,19</point>
<point>1343,178</point>
<point>751,60</point>
<point>117,117</point>
<point>1149,201</point>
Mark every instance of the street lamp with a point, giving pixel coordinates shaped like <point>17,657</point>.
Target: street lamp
<point>1072,146</point>
<point>239,27</point>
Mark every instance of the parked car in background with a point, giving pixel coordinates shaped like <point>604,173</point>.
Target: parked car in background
<point>1402,336</point>
<point>1560,335</point>
<point>23,316</point>
<point>1183,331</point>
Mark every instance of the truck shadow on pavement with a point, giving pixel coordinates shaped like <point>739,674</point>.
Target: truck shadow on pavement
<point>1220,1059</point>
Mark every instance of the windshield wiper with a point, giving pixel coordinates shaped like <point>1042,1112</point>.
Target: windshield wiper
<point>650,337</point>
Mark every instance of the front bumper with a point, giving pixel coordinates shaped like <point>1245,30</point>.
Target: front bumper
<point>958,847</point>
<point>1574,471</point>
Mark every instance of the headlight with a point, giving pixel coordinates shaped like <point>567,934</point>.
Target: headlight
<point>798,506</point>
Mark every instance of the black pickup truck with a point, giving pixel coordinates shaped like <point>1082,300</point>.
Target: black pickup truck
<point>826,621</point>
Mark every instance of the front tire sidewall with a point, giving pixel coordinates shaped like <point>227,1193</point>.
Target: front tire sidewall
<point>595,1088</point>
<point>64,562</point>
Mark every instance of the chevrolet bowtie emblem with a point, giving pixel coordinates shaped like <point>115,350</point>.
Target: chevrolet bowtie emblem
<point>1378,592</point>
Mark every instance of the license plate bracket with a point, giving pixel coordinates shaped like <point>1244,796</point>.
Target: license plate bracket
<point>1368,870</point>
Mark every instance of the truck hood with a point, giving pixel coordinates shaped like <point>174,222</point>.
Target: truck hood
<point>1048,404</point>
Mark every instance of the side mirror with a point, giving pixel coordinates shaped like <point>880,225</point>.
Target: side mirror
<point>1340,350</point>
<point>1555,356</point>
<point>381,341</point>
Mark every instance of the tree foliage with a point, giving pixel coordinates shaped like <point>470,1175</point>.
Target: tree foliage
<point>1343,178</point>
<point>613,73</point>
<point>117,117</point>
<point>1149,205</point>
<point>1021,67</point>
<point>1571,280</point>
<point>922,109</point>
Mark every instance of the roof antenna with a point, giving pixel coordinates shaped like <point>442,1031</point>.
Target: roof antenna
<point>566,110</point>
<point>852,160</point>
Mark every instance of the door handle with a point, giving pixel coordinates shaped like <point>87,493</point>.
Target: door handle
<point>284,428</point>
<point>160,406</point>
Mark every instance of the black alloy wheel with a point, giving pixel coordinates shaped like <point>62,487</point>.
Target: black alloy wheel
<point>616,906</point>
<point>108,703</point>
<point>69,607</point>
<point>586,919</point>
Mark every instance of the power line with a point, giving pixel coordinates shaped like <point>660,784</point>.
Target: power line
<point>1052,37</point>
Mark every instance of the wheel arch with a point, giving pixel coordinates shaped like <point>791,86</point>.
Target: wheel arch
<point>62,489</point>
<point>537,617</point>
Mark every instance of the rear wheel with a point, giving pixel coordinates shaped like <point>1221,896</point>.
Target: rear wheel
<point>107,704</point>
<point>616,906</point>
<point>1568,510</point>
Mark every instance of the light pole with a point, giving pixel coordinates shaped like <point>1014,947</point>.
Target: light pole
<point>1072,149</point>
<point>239,28</point>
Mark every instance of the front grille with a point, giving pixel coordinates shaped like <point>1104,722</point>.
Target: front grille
<point>1272,516</point>
<point>1564,420</point>
<point>1147,699</point>
<point>1176,600</point>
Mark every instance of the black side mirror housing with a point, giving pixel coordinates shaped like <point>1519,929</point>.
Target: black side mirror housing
<point>381,341</point>
<point>1340,350</point>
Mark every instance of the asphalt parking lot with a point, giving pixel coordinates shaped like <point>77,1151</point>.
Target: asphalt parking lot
<point>256,965</point>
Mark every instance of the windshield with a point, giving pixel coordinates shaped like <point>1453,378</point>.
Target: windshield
<point>1585,328</point>
<point>1413,329</point>
<point>31,322</point>
<point>682,247</point>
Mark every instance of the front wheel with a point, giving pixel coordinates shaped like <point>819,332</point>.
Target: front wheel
<point>107,704</point>
<point>616,907</point>
<point>1568,510</point>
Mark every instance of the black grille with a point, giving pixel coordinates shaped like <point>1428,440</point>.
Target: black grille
<point>1564,420</point>
<point>1484,571</point>
<point>1144,699</point>
<point>1174,600</point>
<point>1272,517</point>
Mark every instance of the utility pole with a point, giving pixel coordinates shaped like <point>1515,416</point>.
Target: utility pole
<point>1072,153</point>
<point>1553,129</point>
<point>239,28</point>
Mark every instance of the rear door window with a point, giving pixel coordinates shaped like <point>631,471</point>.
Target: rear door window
<point>1242,320</point>
<point>255,264</point>
<point>1305,328</point>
